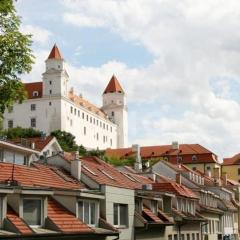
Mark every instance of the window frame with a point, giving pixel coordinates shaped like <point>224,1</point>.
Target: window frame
<point>41,210</point>
<point>119,225</point>
<point>89,201</point>
<point>31,119</point>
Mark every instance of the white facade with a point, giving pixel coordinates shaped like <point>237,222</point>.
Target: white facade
<point>54,109</point>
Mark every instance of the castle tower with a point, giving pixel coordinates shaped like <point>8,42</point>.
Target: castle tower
<point>114,104</point>
<point>55,77</point>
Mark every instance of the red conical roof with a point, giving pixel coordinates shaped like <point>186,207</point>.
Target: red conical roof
<point>113,86</point>
<point>55,53</point>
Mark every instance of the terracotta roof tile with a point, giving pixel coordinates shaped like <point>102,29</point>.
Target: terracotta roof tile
<point>64,220</point>
<point>235,160</point>
<point>32,87</point>
<point>150,216</point>
<point>186,151</point>
<point>55,53</point>
<point>19,224</point>
<point>175,188</point>
<point>105,174</point>
<point>113,86</point>
<point>39,175</point>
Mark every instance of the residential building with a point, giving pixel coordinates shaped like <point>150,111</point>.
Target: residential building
<point>194,156</point>
<point>53,105</point>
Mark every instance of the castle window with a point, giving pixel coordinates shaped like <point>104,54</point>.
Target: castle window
<point>58,66</point>
<point>238,171</point>
<point>194,158</point>
<point>97,136</point>
<point>75,111</point>
<point>90,119</point>
<point>35,93</point>
<point>100,124</point>
<point>112,114</point>
<point>71,109</point>
<point>110,142</point>
<point>79,113</point>
<point>10,123</point>
<point>103,125</point>
<point>87,117</point>
<point>111,129</point>
<point>85,131</point>
<point>50,82</point>
<point>33,107</point>
<point>107,127</point>
<point>33,122</point>
<point>83,115</point>
<point>71,122</point>
<point>50,91</point>
<point>93,120</point>
<point>50,103</point>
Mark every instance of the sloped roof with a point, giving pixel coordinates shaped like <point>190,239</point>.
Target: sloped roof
<point>147,213</point>
<point>147,152</point>
<point>38,175</point>
<point>64,220</point>
<point>175,188</point>
<point>105,174</point>
<point>40,142</point>
<point>18,223</point>
<point>32,87</point>
<point>55,53</point>
<point>113,86</point>
<point>235,160</point>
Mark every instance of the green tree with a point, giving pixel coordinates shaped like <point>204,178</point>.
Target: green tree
<point>15,56</point>
<point>66,140</point>
<point>18,132</point>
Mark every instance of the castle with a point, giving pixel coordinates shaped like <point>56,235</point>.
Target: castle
<point>53,105</point>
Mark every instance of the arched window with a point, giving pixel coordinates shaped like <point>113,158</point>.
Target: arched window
<point>35,93</point>
<point>194,158</point>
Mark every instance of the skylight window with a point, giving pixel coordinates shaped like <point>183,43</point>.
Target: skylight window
<point>129,177</point>
<point>89,170</point>
<point>108,175</point>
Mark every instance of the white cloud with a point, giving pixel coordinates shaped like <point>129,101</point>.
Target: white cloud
<point>39,34</point>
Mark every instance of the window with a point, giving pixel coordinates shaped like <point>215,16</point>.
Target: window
<point>197,236</point>
<point>120,218</point>
<point>71,109</point>
<point>170,237</point>
<point>194,158</point>
<point>71,122</point>
<point>10,109</point>
<point>82,115</point>
<point>10,123</point>
<point>87,212</point>
<point>182,236</point>
<point>208,168</point>
<point>112,114</point>
<point>33,107</point>
<point>97,136</point>
<point>78,113</point>
<point>33,122</point>
<point>32,211</point>
<point>1,154</point>
<point>110,129</point>
<point>179,159</point>
<point>35,93</point>
<point>75,111</point>
<point>50,91</point>
<point>238,171</point>
<point>193,236</point>
<point>85,131</point>
<point>194,168</point>
<point>175,237</point>
<point>50,82</point>
<point>50,103</point>
<point>188,236</point>
<point>110,142</point>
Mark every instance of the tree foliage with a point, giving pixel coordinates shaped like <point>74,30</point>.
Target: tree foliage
<point>66,140</point>
<point>18,132</point>
<point>15,56</point>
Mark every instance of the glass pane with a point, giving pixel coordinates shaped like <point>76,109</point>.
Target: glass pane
<point>123,215</point>
<point>32,211</point>
<point>115,211</point>
<point>19,159</point>
<point>93,213</point>
<point>86,212</point>
<point>80,210</point>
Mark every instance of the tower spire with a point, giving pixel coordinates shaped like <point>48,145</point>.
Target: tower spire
<point>55,53</point>
<point>113,86</point>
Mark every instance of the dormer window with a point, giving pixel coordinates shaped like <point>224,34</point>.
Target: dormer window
<point>194,158</point>
<point>88,212</point>
<point>35,93</point>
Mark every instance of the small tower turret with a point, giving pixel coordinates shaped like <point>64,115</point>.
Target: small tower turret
<point>55,77</point>
<point>114,104</point>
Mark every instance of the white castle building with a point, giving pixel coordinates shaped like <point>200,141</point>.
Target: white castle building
<point>52,105</point>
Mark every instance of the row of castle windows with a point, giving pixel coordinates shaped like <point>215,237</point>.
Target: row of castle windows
<point>90,119</point>
<point>33,123</point>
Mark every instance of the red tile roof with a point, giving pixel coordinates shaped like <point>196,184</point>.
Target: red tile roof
<point>113,86</point>
<point>186,151</point>
<point>39,175</point>
<point>18,223</point>
<point>235,160</point>
<point>150,216</point>
<point>32,87</point>
<point>175,188</point>
<point>64,220</point>
<point>105,174</point>
<point>40,142</point>
<point>55,53</point>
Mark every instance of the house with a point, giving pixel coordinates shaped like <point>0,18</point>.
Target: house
<point>53,105</point>
<point>231,166</point>
<point>194,156</point>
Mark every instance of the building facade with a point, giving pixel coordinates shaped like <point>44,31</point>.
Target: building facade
<point>53,105</point>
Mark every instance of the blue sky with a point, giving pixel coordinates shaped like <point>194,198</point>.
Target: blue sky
<point>178,62</point>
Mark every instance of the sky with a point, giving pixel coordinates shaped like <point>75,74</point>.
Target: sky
<point>177,60</point>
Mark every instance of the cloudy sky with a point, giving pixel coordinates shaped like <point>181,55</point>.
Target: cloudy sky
<point>178,62</point>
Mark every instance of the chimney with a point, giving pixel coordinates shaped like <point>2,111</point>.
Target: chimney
<point>33,145</point>
<point>225,178</point>
<point>179,178</point>
<point>76,167</point>
<point>138,160</point>
<point>175,145</point>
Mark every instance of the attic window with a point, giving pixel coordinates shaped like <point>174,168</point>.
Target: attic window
<point>35,93</point>
<point>92,172</point>
<point>106,174</point>
<point>194,158</point>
